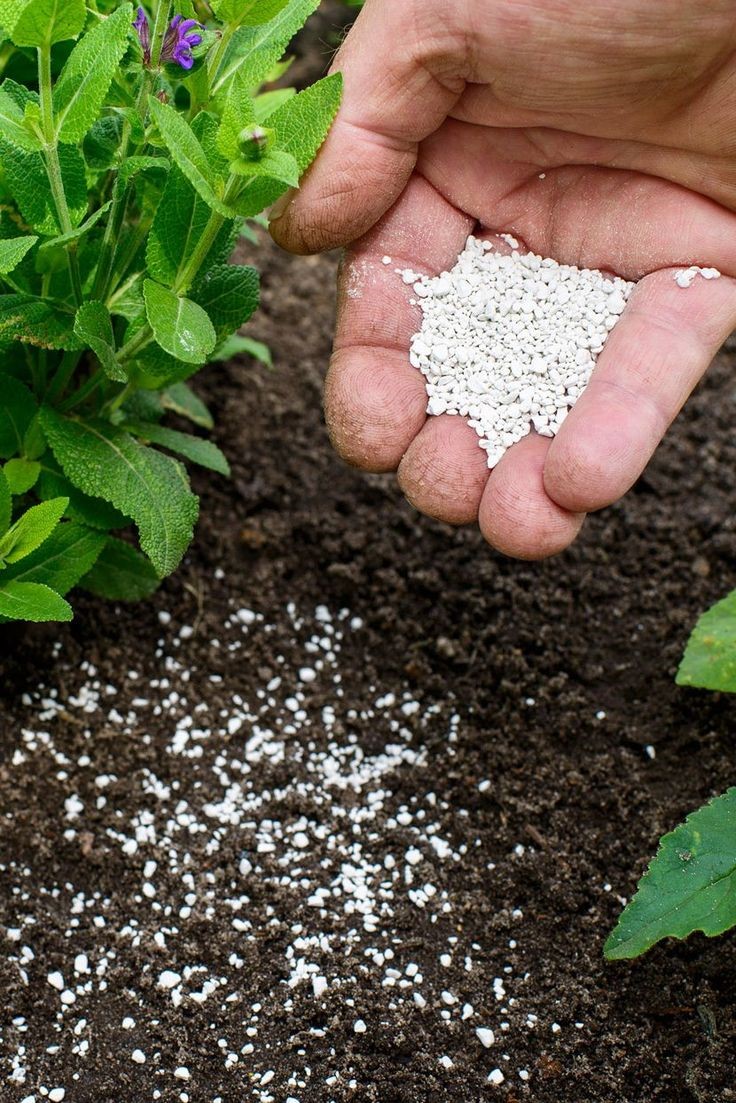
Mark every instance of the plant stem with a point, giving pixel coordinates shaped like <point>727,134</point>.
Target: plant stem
<point>106,264</point>
<point>84,391</point>
<point>53,166</point>
<point>64,373</point>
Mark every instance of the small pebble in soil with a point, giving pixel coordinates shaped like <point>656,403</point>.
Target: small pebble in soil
<point>509,341</point>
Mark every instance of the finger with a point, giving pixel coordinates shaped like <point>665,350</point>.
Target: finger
<point>656,354</point>
<point>391,102</point>
<point>444,471</point>
<point>516,514</point>
<point>375,401</point>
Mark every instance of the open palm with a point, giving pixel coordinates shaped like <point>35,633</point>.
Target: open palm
<point>591,142</point>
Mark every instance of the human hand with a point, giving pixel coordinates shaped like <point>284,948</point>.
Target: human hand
<point>452,113</point>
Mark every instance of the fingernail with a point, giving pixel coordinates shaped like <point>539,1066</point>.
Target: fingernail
<point>281,205</point>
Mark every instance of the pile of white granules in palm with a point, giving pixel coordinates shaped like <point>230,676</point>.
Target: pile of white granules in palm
<point>509,341</point>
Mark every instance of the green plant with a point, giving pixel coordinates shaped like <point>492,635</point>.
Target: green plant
<point>131,161</point>
<point>690,885</point>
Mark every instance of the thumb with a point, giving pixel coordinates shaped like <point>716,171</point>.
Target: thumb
<point>402,65</point>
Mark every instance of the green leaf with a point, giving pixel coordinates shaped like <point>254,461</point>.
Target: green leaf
<point>12,252</point>
<point>247,11</point>
<point>121,574</point>
<point>58,244</point>
<point>36,322</point>
<point>21,475</point>
<point>302,124</point>
<point>26,180</point>
<point>180,326</point>
<point>31,529</point>
<point>144,484</point>
<point>12,124</point>
<point>275,164</point>
<point>268,102</point>
<point>44,22</point>
<point>182,400</point>
<point>9,13</point>
<point>236,345</point>
<point>690,884</point>
<point>229,293</point>
<point>186,151</point>
<point>237,113</point>
<point>17,410</point>
<point>86,78</point>
<point>254,50</point>
<point>68,554</point>
<point>181,217</point>
<point>93,326</point>
<point>32,601</point>
<point>205,453</point>
<point>709,661</point>
<point>153,369</point>
<point>6,504</point>
<point>102,142</point>
<point>92,512</point>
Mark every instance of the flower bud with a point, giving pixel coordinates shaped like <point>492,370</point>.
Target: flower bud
<point>254,141</point>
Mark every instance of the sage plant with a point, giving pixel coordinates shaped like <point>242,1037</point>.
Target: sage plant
<point>136,148</point>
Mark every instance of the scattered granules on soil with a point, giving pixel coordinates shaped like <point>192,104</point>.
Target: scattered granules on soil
<point>509,341</point>
<point>267,848</point>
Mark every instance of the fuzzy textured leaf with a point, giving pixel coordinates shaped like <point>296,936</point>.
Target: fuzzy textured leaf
<point>237,113</point>
<point>17,411</point>
<point>31,529</point>
<point>690,884</point>
<point>121,574</point>
<point>247,12</point>
<point>36,322</point>
<point>182,400</point>
<point>236,345</point>
<point>12,124</point>
<point>93,326</point>
<point>204,453</point>
<point>186,151</point>
<point>229,293</point>
<point>254,50</point>
<point>25,176</point>
<point>12,251</point>
<point>302,124</point>
<point>68,554</point>
<point>44,22</point>
<point>86,78</point>
<point>181,327</point>
<point>709,661</point>
<point>32,601</point>
<point>21,474</point>
<point>92,512</point>
<point>151,488</point>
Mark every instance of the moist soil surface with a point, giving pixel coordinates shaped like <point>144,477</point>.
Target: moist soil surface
<point>353,786</point>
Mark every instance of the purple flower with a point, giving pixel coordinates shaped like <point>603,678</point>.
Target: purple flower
<point>182,35</point>
<point>144,34</point>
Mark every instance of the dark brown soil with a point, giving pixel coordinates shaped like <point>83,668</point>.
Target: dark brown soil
<point>561,674</point>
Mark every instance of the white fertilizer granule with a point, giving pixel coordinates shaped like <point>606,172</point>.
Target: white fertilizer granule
<point>510,341</point>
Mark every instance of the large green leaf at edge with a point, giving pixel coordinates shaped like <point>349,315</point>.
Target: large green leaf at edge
<point>49,21</point>
<point>6,503</point>
<point>85,79</point>
<point>690,884</point>
<point>68,554</point>
<point>32,601</point>
<point>151,488</point>
<point>709,661</point>
<point>32,529</point>
<point>181,327</point>
<point>197,450</point>
<point>26,180</point>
